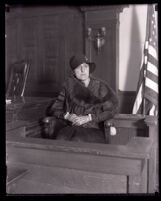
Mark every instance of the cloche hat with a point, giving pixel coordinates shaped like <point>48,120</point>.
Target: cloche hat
<point>77,60</point>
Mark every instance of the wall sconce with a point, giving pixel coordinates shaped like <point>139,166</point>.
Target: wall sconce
<point>97,35</point>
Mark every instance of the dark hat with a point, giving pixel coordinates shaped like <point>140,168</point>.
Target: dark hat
<point>77,60</point>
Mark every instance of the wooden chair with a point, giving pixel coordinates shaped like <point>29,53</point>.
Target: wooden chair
<point>17,82</point>
<point>48,128</point>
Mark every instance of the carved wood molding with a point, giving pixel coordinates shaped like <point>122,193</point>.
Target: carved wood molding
<point>118,8</point>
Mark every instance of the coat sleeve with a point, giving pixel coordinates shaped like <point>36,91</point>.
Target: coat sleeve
<point>109,109</point>
<point>58,107</point>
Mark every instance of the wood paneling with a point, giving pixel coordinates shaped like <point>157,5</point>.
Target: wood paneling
<point>63,180</point>
<point>107,59</point>
<point>46,37</point>
<point>126,101</point>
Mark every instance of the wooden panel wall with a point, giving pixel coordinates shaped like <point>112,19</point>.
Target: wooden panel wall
<point>46,37</point>
<point>107,58</point>
<point>126,101</point>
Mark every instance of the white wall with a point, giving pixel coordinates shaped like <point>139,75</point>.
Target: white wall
<point>132,38</point>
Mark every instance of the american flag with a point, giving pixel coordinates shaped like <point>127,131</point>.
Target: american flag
<point>146,101</point>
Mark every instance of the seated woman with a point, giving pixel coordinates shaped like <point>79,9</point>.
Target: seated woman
<point>83,105</point>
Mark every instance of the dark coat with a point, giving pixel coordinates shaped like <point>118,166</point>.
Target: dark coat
<point>98,99</point>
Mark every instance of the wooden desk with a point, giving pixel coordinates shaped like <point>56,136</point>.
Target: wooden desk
<point>27,108</point>
<point>24,113</point>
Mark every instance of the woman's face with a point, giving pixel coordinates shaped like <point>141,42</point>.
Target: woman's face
<point>82,72</point>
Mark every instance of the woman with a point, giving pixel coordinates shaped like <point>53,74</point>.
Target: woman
<point>83,104</point>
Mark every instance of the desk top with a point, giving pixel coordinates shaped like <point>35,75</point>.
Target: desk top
<point>16,124</point>
<point>19,101</point>
<point>27,108</point>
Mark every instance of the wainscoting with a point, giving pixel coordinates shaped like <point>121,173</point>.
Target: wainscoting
<point>126,101</point>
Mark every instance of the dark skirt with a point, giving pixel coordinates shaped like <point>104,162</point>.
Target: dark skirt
<point>65,131</point>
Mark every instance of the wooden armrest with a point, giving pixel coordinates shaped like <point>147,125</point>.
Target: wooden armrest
<point>47,119</point>
<point>125,120</point>
<point>110,127</point>
<point>48,127</point>
<point>123,127</point>
<point>109,123</point>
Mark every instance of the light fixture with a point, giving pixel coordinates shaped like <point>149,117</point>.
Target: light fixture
<point>97,36</point>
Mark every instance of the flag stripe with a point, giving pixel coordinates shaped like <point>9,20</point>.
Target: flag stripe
<point>138,100</point>
<point>151,84</point>
<point>146,44</point>
<point>148,105</point>
<point>152,68</point>
<point>152,60</point>
<point>152,111</point>
<point>140,110</point>
<point>152,77</point>
<point>145,59</point>
<point>152,51</point>
<point>141,76</point>
<point>151,96</point>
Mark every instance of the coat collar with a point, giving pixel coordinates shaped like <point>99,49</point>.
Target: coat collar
<point>82,95</point>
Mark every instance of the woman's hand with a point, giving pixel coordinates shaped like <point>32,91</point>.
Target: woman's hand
<point>77,120</point>
<point>80,120</point>
<point>72,117</point>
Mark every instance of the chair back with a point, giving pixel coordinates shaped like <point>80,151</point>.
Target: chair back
<point>17,80</point>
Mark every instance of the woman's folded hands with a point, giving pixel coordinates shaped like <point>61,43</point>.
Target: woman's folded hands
<point>77,120</point>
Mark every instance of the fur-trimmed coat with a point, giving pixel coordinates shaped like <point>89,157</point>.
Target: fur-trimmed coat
<point>98,99</point>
